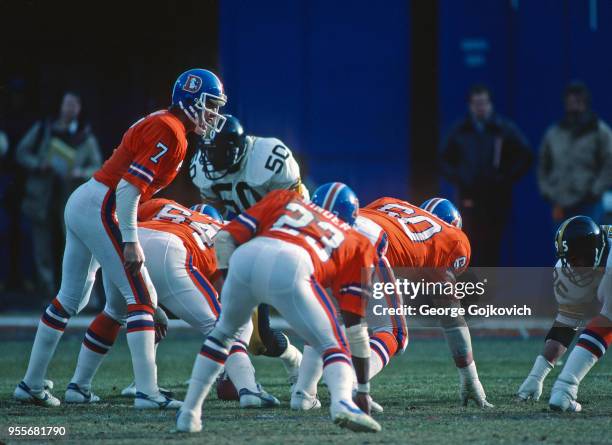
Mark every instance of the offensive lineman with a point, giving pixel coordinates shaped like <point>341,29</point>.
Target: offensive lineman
<point>233,172</point>
<point>101,231</point>
<point>583,289</point>
<point>181,261</point>
<point>290,250</point>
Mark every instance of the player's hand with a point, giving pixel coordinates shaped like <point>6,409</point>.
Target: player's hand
<point>362,400</point>
<point>473,390</point>
<point>161,324</point>
<point>133,257</point>
<point>530,389</point>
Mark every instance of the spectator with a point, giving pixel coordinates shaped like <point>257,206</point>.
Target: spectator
<point>58,155</point>
<point>483,156</point>
<point>576,159</point>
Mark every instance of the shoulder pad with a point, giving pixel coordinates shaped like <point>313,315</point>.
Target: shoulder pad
<point>270,160</point>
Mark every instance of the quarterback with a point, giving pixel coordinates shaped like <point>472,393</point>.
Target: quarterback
<point>583,289</point>
<point>100,219</point>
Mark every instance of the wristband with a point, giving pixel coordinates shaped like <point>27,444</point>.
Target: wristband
<point>363,387</point>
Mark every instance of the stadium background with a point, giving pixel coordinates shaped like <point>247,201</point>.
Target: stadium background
<point>362,92</point>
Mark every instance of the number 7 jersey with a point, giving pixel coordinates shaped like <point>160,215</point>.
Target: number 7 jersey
<point>417,238</point>
<point>343,259</point>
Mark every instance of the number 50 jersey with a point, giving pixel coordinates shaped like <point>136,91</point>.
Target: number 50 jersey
<point>267,165</point>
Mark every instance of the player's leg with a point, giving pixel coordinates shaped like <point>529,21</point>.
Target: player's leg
<point>78,274</point>
<point>239,304</point>
<point>389,332</point>
<point>591,346</point>
<point>304,393</point>
<point>274,343</point>
<point>138,291</point>
<point>97,342</point>
<point>285,281</point>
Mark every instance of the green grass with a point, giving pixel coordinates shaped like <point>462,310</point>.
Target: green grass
<point>419,392</point>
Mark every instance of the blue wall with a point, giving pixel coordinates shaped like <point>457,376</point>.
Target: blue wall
<point>328,78</point>
<point>526,51</point>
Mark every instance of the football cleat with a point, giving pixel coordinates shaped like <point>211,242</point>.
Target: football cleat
<point>25,394</point>
<point>76,394</point>
<point>143,401</point>
<point>346,414</point>
<point>48,384</point>
<point>563,397</point>
<point>261,399</point>
<point>302,401</point>
<point>130,391</point>
<point>188,422</point>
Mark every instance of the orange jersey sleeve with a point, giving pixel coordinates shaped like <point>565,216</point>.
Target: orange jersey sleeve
<point>354,264</point>
<point>149,155</point>
<point>417,238</point>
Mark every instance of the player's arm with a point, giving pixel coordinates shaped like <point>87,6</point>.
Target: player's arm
<point>127,198</point>
<point>352,289</point>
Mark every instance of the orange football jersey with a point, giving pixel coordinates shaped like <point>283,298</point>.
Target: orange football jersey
<point>194,229</point>
<point>417,238</point>
<point>149,156</point>
<point>339,254</point>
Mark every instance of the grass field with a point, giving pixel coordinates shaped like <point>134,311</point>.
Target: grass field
<point>419,392</point>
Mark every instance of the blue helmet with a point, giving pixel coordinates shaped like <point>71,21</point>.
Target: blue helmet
<point>208,210</point>
<point>339,199</point>
<point>445,210</point>
<point>199,93</point>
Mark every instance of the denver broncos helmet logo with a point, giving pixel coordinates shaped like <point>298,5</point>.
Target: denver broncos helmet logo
<point>193,84</point>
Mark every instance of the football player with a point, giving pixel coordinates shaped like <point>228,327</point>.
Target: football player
<point>583,289</point>
<point>406,236</point>
<point>181,261</point>
<point>289,251</point>
<point>233,172</point>
<point>100,219</point>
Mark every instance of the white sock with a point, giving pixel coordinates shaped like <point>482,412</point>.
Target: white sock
<point>142,349</point>
<point>338,377</point>
<point>207,366</point>
<point>291,359</point>
<point>311,370</point>
<point>240,371</point>
<point>44,346</point>
<point>87,366</point>
<point>579,363</point>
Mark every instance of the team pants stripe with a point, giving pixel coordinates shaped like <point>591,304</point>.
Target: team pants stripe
<point>206,289</point>
<point>55,316</point>
<point>335,355</point>
<point>137,284</point>
<point>214,350</point>
<point>330,311</point>
<point>239,346</point>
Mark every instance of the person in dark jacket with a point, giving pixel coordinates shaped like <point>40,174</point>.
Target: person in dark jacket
<point>483,156</point>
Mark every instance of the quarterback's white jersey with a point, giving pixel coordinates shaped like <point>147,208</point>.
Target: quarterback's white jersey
<point>578,303</point>
<point>267,165</point>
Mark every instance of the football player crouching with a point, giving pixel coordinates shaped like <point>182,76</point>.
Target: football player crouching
<point>284,251</point>
<point>233,171</point>
<point>583,289</point>
<point>177,243</point>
